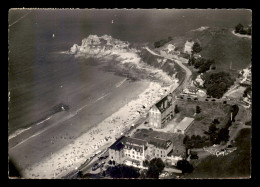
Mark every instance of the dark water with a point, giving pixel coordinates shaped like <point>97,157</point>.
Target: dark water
<point>37,69</point>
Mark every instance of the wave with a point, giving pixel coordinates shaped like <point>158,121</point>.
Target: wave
<point>202,28</point>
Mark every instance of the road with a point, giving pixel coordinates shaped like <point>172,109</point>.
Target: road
<point>176,60</point>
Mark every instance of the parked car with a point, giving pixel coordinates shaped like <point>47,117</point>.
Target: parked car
<point>206,99</point>
<point>213,100</point>
<point>195,98</point>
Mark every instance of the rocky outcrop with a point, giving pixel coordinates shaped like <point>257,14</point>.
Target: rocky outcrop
<point>123,58</point>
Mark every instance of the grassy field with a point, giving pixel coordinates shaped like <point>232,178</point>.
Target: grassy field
<point>234,165</point>
<point>222,46</point>
<point>209,111</point>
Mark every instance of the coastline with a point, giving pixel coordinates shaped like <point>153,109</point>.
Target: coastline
<point>64,142</point>
<point>240,35</point>
<point>74,154</point>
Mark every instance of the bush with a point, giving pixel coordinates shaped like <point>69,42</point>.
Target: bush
<point>194,155</point>
<point>176,109</point>
<point>198,109</point>
<point>185,166</point>
<point>155,167</point>
<point>196,48</point>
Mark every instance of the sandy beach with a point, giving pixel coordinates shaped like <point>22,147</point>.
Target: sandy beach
<point>64,142</point>
<point>72,156</point>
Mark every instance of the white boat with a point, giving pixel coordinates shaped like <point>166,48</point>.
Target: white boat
<point>53,35</point>
<point>112,21</point>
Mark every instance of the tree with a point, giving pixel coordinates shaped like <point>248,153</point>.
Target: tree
<point>198,109</point>
<point>155,167</point>
<point>223,135</point>
<point>239,28</point>
<point>185,166</point>
<point>80,174</point>
<point>212,129</point>
<point>215,121</point>
<point>146,163</point>
<point>196,48</point>
<point>185,139</point>
<point>176,109</point>
<point>194,155</point>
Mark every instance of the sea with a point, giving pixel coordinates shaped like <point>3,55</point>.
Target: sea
<point>42,76</point>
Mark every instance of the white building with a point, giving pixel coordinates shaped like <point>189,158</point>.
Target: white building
<point>188,47</point>
<point>183,125</point>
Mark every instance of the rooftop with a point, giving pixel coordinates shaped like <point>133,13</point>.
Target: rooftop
<point>133,141</point>
<point>164,103</point>
<point>184,124</point>
<point>160,143</point>
<point>117,145</point>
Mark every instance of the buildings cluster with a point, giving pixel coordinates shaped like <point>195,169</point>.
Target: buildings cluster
<point>134,151</point>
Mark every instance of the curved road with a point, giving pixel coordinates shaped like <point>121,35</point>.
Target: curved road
<point>178,61</point>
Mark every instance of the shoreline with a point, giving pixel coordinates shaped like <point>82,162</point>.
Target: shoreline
<point>74,154</point>
<point>241,35</point>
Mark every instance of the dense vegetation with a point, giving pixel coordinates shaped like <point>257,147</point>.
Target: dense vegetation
<point>184,166</point>
<point>196,48</point>
<point>202,64</point>
<point>217,84</point>
<point>122,171</point>
<point>155,167</point>
<point>241,30</point>
<point>162,42</point>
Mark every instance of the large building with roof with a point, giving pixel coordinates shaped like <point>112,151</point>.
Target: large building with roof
<point>161,112</point>
<point>159,148</point>
<point>134,151</point>
<point>183,125</point>
<point>126,148</point>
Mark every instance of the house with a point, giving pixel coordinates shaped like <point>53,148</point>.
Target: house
<point>188,47</point>
<point>161,112</point>
<point>133,151</point>
<point>159,148</point>
<point>126,148</point>
<point>183,125</point>
<point>177,153</point>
